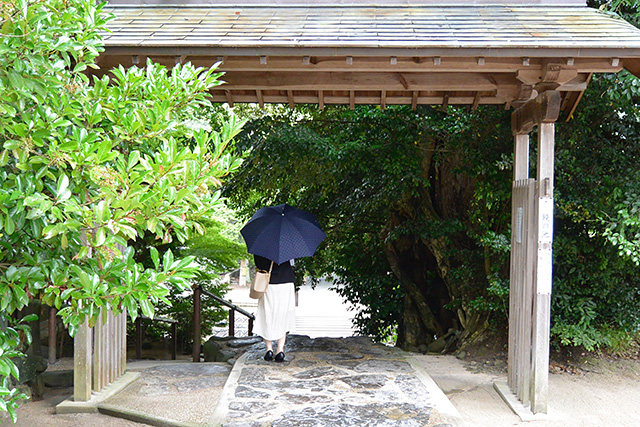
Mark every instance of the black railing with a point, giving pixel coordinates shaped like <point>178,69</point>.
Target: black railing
<point>174,334</point>
<point>197,332</point>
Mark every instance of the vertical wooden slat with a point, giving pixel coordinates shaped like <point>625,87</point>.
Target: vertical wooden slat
<point>112,348</point>
<point>123,341</point>
<point>82,346</point>
<point>98,354</point>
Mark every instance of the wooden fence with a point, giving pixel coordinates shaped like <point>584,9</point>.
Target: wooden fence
<point>100,355</point>
<point>521,293</point>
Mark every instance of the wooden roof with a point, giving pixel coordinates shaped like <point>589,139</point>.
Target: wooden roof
<point>476,54</point>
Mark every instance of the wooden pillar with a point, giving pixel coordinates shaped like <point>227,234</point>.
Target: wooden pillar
<point>196,325</point>
<point>543,270</point>
<point>82,343</point>
<point>531,263</point>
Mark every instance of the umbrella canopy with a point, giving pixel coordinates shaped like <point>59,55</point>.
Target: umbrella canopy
<point>282,232</point>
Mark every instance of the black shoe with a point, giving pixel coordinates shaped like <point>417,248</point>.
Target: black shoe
<point>269,356</point>
<point>280,357</point>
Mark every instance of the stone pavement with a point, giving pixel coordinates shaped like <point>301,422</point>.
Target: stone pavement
<point>332,382</point>
<point>323,382</point>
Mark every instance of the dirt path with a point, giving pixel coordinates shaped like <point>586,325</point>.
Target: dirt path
<point>606,395</point>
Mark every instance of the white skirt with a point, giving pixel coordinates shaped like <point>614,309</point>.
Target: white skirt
<point>276,313</point>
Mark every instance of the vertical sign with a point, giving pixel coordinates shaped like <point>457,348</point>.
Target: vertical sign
<point>545,240</point>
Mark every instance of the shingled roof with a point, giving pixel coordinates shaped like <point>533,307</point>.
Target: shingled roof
<point>486,39</point>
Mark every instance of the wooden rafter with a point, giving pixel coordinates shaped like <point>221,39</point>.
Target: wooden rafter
<point>229,97</point>
<point>260,98</point>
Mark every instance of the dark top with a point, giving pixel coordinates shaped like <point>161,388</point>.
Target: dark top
<point>280,273</point>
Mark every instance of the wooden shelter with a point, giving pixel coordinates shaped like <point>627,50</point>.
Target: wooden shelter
<point>535,57</point>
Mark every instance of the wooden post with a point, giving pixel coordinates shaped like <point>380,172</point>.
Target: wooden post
<point>174,341</point>
<point>196,325</point>
<point>232,322</point>
<point>52,335</point>
<point>531,261</point>
<point>543,271</point>
<point>82,343</point>
<point>138,338</point>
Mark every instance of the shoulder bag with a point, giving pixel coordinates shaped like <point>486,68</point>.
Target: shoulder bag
<point>260,283</point>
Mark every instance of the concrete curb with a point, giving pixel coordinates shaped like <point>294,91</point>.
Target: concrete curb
<point>441,401</point>
<point>70,406</point>
<point>228,393</point>
<point>140,417</point>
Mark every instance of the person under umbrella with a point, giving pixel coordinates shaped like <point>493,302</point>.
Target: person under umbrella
<point>276,235</point>
<point>276,309</point>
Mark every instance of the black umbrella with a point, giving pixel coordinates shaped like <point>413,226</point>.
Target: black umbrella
<point>282,232</point>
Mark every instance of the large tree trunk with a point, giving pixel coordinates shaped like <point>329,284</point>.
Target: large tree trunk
<point>424,264</point>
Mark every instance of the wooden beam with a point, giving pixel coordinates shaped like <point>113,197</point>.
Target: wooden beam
<point>229,97</point>
<point>414,100</point>
<point>543,109</point>
<point>383,100</point>
<point>260,99</point>
<point>360,81</point>
<point>577,101</point>
<point>367,64</point>
<point>352,99</point>
<point>403,81</point>
<point>476,101</point>
<point>632,65</point>
<point>445,102</point>
<point>321,99</point>
<point>331,98</point>
<point>290,98</point>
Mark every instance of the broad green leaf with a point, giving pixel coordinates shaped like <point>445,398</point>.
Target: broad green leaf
<point>63,184</point>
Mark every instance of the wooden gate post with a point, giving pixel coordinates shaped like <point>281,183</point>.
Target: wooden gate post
<point>543,271</point>
<point>531,264</point>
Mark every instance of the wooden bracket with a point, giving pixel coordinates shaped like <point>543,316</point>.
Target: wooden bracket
<point>545,108</point>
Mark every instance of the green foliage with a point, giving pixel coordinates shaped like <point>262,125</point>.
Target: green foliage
<point>216,251</point>
<point>87,167</point>
<point>13,339</point>
<point>376,180</point>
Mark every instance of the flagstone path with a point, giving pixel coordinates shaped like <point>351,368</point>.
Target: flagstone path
<point>332,382</point>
